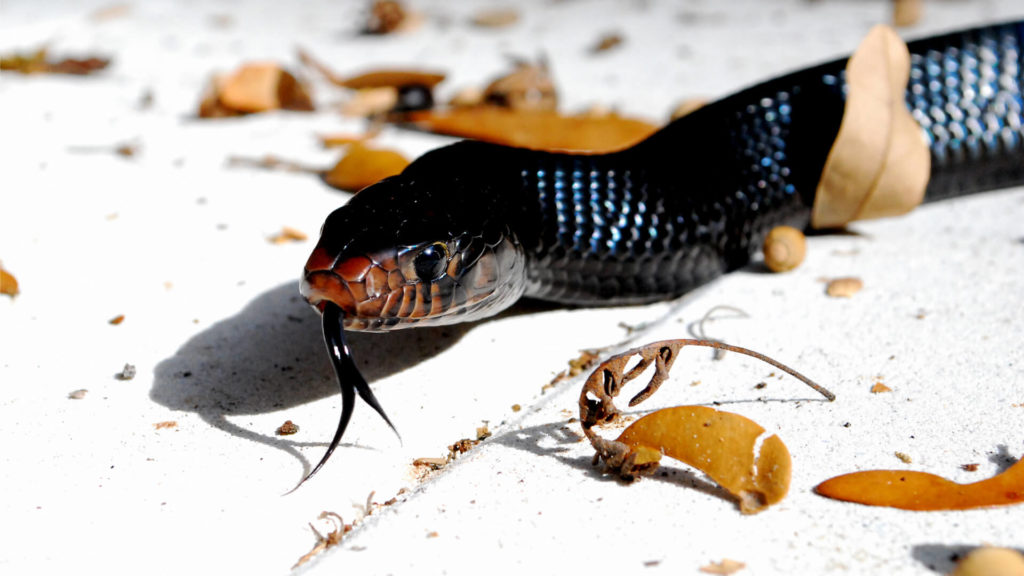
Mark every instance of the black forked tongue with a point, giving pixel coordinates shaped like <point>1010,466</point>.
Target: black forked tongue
<point>349,379</point>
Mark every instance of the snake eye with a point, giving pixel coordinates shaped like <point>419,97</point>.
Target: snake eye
<point>431,262</point>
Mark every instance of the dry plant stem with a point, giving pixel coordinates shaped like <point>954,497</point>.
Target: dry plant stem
<point>607,380</point>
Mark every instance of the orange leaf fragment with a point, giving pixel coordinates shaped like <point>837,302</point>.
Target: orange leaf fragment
<point>720,444</point>
<point>8,284</point>
<point>922,491</point>
<point>363,166</point>
<point>726,566</point>
<point>539,130</point>
<point>287,234</point>
<point>391,79</point>
<point>254,87</point>
<point>880,388</point>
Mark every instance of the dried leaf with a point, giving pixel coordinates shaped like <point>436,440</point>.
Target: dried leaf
<point>843,287</point>
<point>392,78</point>
<point>116,320</point>
<point>37,63</point>
<point>386,16</point>
<point>726,566</point>
<point>880,388</point>
<point>606,42</point>
<point>496,18</point>
<point>878,165</point>
<point>288,234</point>
<point>254,87</point>
<point>528,87</point>
<point>287,429</point>
<point>165,425</point>
<point>8,283</point>
<point>363,166</point>
<point>909,490</point>
<point>906,12</point>
<point>536,130</point>
<point>688,106</point>
<point>721,445</point>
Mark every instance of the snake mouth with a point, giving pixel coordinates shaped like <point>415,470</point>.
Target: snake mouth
<point>372,292</point>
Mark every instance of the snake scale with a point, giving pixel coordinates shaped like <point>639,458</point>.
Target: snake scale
<point>468,229</point>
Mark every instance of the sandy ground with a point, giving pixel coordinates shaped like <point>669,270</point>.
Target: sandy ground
<point>175,239</point>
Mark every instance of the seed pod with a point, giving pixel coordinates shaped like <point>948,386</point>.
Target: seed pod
<point>784,249</point>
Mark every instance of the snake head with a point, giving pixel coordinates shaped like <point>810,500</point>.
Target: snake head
<point>426,247</point>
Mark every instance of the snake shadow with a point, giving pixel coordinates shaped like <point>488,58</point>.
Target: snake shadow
<point>270,356</point>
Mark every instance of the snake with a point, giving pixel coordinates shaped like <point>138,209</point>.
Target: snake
<point>468,229</point>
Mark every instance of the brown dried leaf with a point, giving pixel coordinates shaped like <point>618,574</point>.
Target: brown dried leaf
<point>254,87</point>
<point>116,320</point>
<point>688,106</point>
<point>363,166</point>
<point>386,16</point>
<point>8,283</point>
<point>720,444</point>
<point>906,12</point>
<point>165,425</point>
<point>606,42</point>
<point>843,287</point>
<point>922,491</point>
<point>496,18</point>
<point>528,87</point>
<point>880,388</point>
<point>287,429</point>
<point>287,234</point>
<point>726,566</point>
<point>37,63</point>
<point>536,130</point>
<point>392,79</point>
<point>878,165</point>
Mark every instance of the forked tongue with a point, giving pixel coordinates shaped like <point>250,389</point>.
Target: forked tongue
<point>349,379</point>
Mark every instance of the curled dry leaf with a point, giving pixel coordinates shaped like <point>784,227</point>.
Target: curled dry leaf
<point>8,283</point>
<point>528,87</point>
<point>536,130</point>
<point>254,87</point>
<point>720,444</point>
<point>909,490</point>
<point>878,165</point>
<point>362,166</point>
<point>991,561</point>
<point>731,449</point>
<point>784,249</point>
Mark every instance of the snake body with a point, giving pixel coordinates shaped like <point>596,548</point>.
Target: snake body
<point>468,229</point>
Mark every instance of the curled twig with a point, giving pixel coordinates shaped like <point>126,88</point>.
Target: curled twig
<point>608,379</point>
